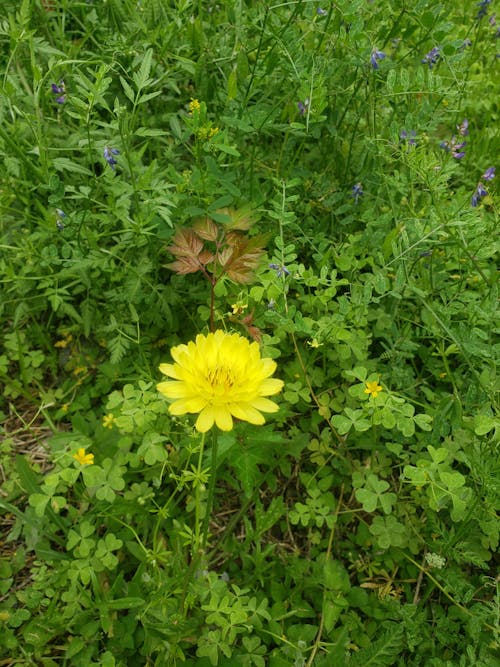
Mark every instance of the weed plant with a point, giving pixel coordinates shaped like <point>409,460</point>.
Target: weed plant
<point>318,178</point>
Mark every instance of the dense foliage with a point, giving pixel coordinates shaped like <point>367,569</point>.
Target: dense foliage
<point>318,178</point>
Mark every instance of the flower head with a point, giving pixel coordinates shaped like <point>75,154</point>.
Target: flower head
<point>432,57</point>
<point>220,376</point>
<point>463,128</point>
<point>479,193</point>
<point>82,458</point>
<point>489,174</point>
<point>108,420</point>
<point>60,91</point>
<point>375,57</point>
<point>280,269</point>
<point>109,154</point>
<point>303,106</point>
<point>454,147</point>
<point>410,137</point>
<point>483,9</point>
<point>60,215</point>
<point>357,192</point>
<point>373,388</point>
<point>194,106</point>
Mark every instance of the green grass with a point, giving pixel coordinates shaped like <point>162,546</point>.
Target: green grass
<point>351,528</point>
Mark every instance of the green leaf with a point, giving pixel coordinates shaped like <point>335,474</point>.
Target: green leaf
<point>484,424</point>
<point>336,577</point>
<point>367,498</point>
<point>341,423</point>
<point>125,603</point>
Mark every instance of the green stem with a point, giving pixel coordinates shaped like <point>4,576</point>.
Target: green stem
<point>211,489</point>
<point>198,501</point>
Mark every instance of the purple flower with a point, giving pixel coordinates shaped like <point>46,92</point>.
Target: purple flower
<point>321,12</point>
<point>483,9</point>
<point>465,44</point>
<point>463,128</point>
<point>59,219</point>
<point>454,147</point>
<point>409,137</point>
<point>480,192</point>
<point>375,57</point>
<point>59,90</point>
<point>432,57</point>
<point>281,270</point>
<point>108,156</point>
<point>489,174</point>
<point>303,106</point>
<point>357,192</point>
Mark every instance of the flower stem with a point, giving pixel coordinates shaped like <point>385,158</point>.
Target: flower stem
<point>200,489</point>
<point>211,489</point>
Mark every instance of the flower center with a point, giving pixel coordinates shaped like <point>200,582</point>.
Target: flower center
<point>220,378</point>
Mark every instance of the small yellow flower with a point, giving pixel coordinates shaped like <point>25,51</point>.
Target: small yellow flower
<point>373,388</point>
<point>220,376</point>
<point>82,458</point>
<point>213,131</point>
<point>64,342</point>
<point>314,343</point>
<point>108,421</point>
<point>194,105</point>
<point>238,307</point>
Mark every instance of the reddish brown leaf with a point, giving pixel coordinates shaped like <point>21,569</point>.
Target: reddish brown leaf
<point>206,257</point>
<point>206,229</point>
<point>185,244</point>
<point>185,265</point>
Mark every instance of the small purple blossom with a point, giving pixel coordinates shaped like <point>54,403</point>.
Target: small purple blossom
<point>303,106</point>
<point>409,137</point>
<point>463,128</point>
<point>483,9</point>
<point>489,174</point>
<point>480,192</point>
<point>432,57</point>
<point>357,192</point>
<point>321,12</point>
<point>109,154</point>
<point>281,270</point>
<point>454,147</point>
<point>466,43</point>
<point>375,57</point>
<point>59,219</point>
<point>59,90</point>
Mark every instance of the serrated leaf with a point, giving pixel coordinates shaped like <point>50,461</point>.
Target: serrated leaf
<point>206,229</point>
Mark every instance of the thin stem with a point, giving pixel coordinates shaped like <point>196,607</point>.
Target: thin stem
<point>198,495</point>
<point>211,490</point>
<point>317,641</point>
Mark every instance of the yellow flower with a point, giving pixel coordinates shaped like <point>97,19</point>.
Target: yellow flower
<point>82,458</point>
<point>373,388</point>
<point>238,307</point>
<point>107,421</point>
<point>220,376</point>
<point>64,342</point>
<point>194,105</point>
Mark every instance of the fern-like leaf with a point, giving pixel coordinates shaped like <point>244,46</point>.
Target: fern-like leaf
<point>382,652</point>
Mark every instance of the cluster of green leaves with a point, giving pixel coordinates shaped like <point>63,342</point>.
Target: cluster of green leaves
<point>358,526</point>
